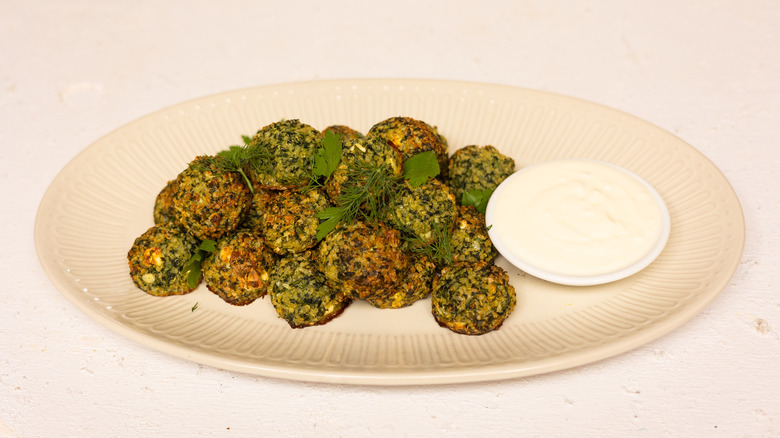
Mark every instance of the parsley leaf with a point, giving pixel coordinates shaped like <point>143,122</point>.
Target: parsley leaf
<point>478,198</point>
<point>192,269</point>
<point>421,167</point>
<point>332,216</point>
<point>327,158</point>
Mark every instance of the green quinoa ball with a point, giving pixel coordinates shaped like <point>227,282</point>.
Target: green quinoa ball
<point>362,260</point>
<point>301,295</point>
<point>420,211</point>
<point>290,222</point>
<point>469,240</point>
<point>344,132</point>
<point>411,136</point>
<point>358,153</point>
<point>291,146</point>
<point>238,269</point>
<point>415,285</point>
<point>164,210</point>
<point>156,259</point>
<point>477,167</point>
<point>210,204</point>
<point>254,216</point>
<point>472,298</point>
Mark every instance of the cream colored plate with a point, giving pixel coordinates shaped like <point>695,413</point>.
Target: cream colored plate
<point>102,200</point>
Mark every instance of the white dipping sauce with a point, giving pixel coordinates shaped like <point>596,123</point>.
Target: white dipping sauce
<point>577,221</point>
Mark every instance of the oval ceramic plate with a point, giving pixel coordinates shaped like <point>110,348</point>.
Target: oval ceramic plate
<point>102,200</point>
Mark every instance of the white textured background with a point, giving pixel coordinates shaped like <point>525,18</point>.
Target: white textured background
<point>73,71</point>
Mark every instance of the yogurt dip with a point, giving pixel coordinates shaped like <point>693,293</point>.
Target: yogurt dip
<point>577,221</point>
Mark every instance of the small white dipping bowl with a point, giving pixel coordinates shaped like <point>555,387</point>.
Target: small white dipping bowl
<point>577,222</point>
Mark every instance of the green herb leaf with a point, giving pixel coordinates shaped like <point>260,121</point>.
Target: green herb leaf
<point>478,198</point>
<point>332,216</point>
<point>194,307</point>
<point>208,245</point>
<point>247,139</point>
<point>192,268</point>
<point>327,158</point>
<point>421,167</point>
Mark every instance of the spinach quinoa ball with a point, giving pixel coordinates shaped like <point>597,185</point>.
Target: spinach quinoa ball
<point>290,147</point>
<point>289,223</point>
<point>164,211</point>
<point>358,156</point>
<point>472,298</point>
<point>415,284</point>
<point>421,211</point>
<point>477,167</point>
<point>254,216</point>
<point>344,132</point>
<point>469,239</point>
<point>300,293</point>
<point>362,260</point>
<point>157,257</point>
<point>210,204</point>
<point>411,137</point>
<point>238,269</point>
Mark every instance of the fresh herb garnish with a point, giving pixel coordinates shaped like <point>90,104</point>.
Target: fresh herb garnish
<point>478,198</point>
<point>236,159</point>
<point>363,196</point>
<point>368,189</point>
<point>327,157</point>
<point>420,168</point>
<point>192,269</point>
<point>194,307</point>
<point>440,250</point>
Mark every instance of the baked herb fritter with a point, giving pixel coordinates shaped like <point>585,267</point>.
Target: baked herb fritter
<point>238,269</point>
<point>290,146</point>
<point>300,293</point>
<point>164,211</point>
<point>156,259</point>
<point>254,216</point>
<point>472,298</point>
<point>420,210</point>
<point>415,285</point>
<point>477,167</point>
<point>289,223</point>
<point>411,137</point>
<point>210,204</point>
<point>344,132</point>
<point>361,152</point>
<point>362,260</point>
<point>469,239</point>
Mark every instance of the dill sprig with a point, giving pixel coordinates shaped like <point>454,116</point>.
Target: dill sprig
<point>440,250</point>
<point>237,159</point>
<point>369,187</point>
<point>363,196</point>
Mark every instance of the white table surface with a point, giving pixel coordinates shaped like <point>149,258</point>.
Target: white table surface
<point>72,71</point>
